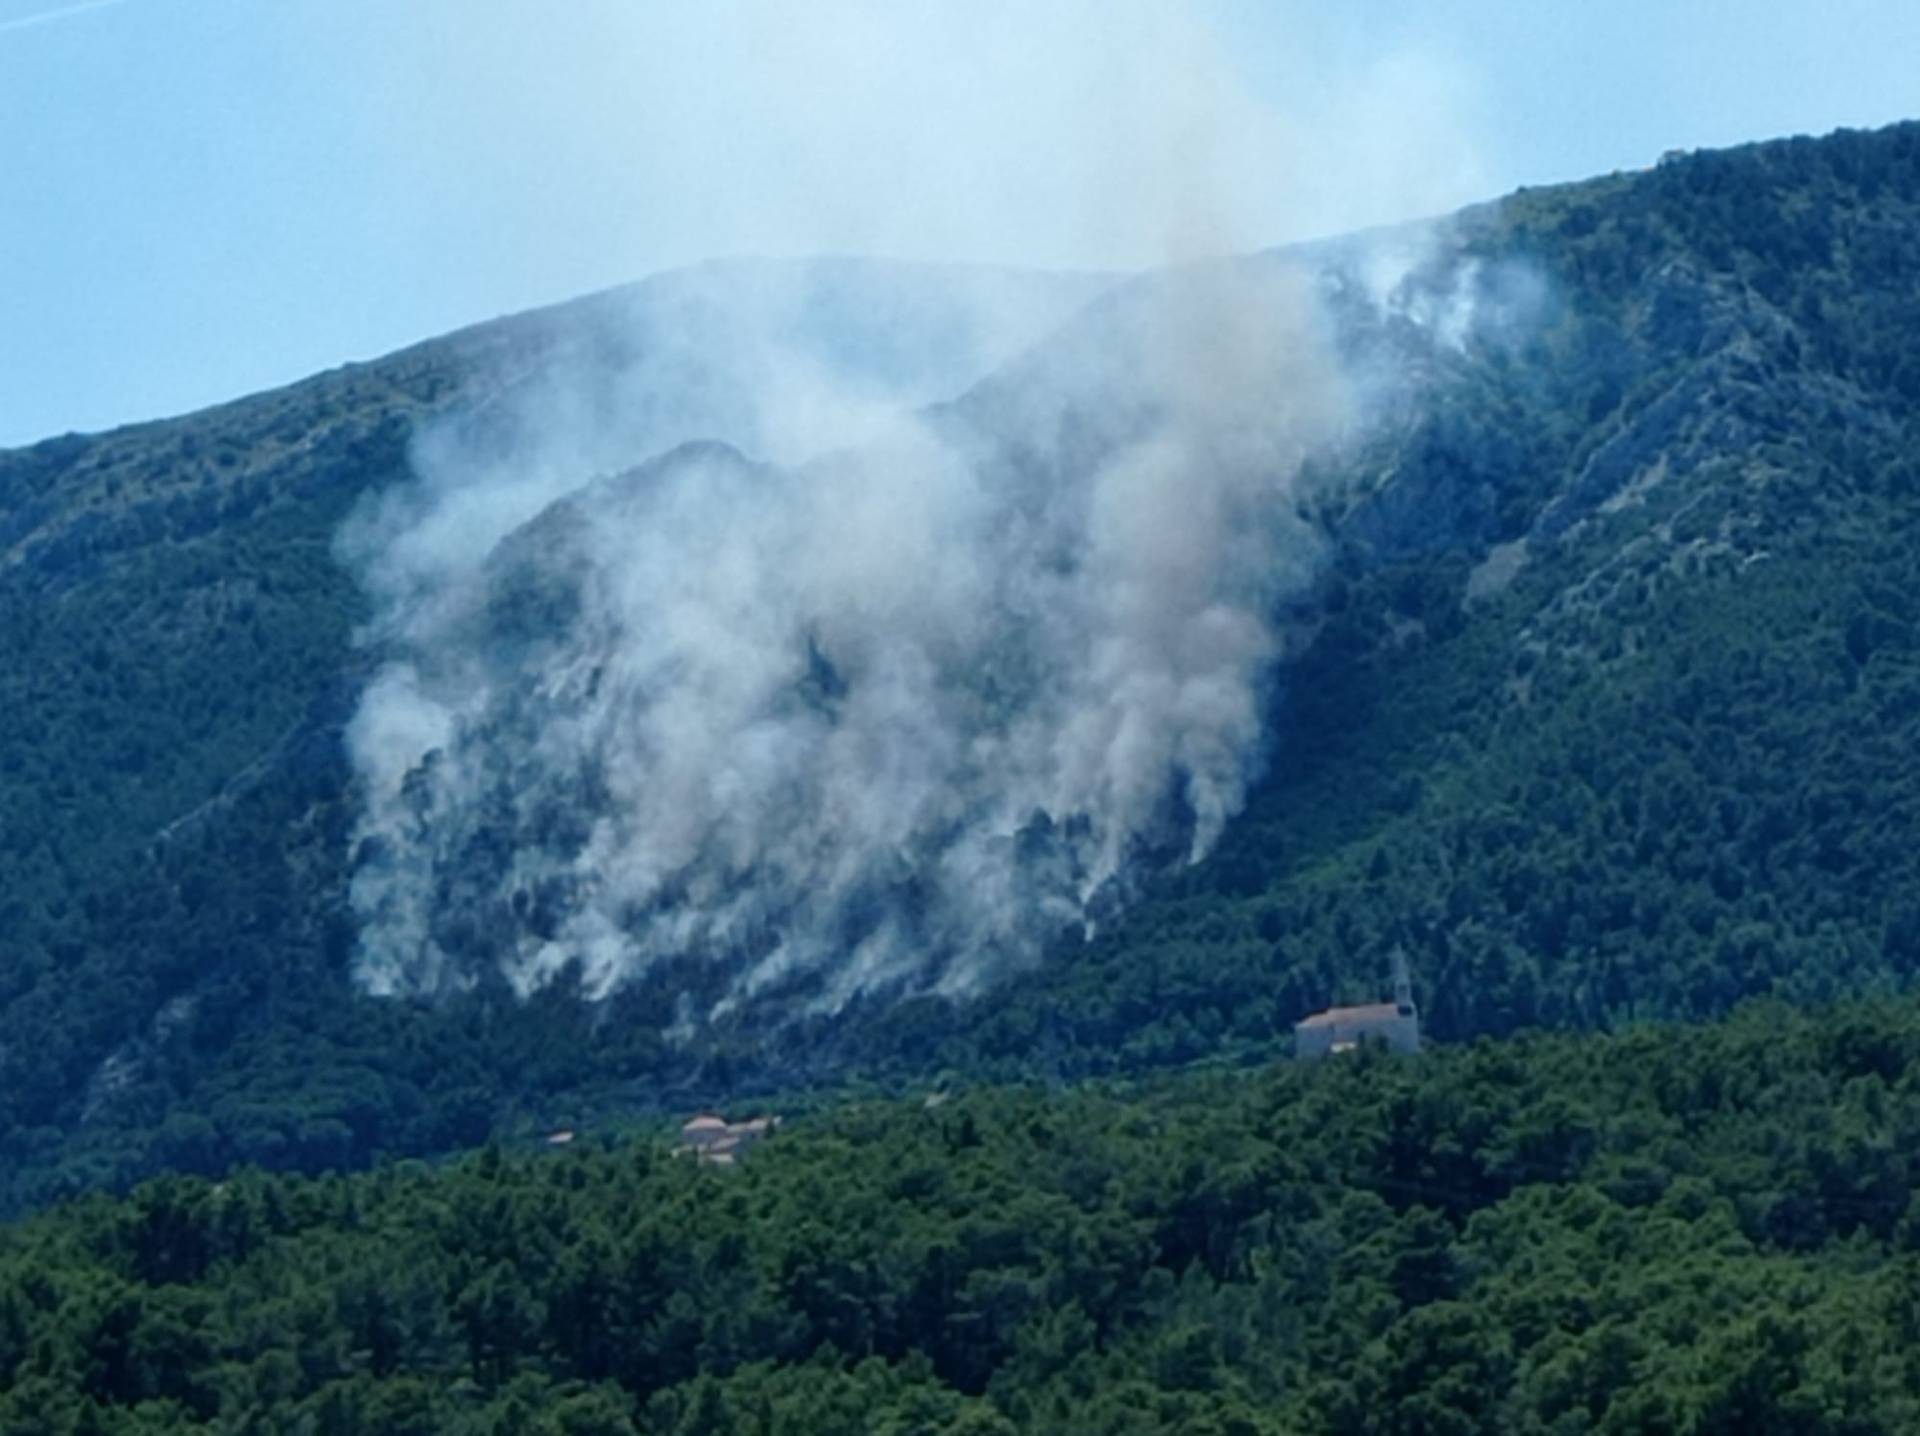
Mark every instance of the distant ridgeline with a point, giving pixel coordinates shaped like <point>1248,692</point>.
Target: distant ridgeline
<point>1603,707</point>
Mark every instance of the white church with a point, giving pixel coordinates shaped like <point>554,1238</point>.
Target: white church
<point>1342,1029</point>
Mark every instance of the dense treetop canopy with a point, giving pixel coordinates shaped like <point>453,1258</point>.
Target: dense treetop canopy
<point>1677,1228</point>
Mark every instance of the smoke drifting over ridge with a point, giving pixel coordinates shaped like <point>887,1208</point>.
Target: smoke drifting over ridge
<point>834,693</point>
<point>890,716</point>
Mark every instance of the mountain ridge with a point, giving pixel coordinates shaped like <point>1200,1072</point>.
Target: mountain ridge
<point>1704,383</point>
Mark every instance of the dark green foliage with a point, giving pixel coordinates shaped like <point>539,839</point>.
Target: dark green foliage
<point>1650,756</point>
<point>1553,833</point>
<point>1704,1229</point>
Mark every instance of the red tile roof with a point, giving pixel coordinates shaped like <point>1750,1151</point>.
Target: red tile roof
<point>1370,1012</point>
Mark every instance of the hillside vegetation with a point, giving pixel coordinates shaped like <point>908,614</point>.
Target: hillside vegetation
<point>1611,710</point>
<point>1679,1229</point>
<point>1608,715</point>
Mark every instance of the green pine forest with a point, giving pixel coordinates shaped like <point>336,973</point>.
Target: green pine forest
<point>1700,1229</point>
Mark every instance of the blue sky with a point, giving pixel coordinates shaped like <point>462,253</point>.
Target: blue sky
<point>200,198</point>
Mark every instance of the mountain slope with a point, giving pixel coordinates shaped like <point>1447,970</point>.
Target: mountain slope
<point>1621,726</point>
<point>177,662</point>
<point>1605,713</point>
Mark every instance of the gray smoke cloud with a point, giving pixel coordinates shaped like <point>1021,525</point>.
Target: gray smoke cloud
<point>775,650</point>
<point>887,717</point>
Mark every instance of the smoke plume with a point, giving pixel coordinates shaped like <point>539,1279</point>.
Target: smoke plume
<point>887,717</point>
<point>768,653</point>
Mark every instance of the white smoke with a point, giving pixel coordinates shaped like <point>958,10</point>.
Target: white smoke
<point>890,717</point>
<point>870,696</point>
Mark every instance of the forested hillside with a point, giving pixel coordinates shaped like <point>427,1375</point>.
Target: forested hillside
<point>1607,713</point>
<point>178,664</point>
<point>1611,708</point>
<point>1705,1229</point>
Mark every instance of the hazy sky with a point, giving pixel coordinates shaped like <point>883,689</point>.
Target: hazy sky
<point>200,198</point>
